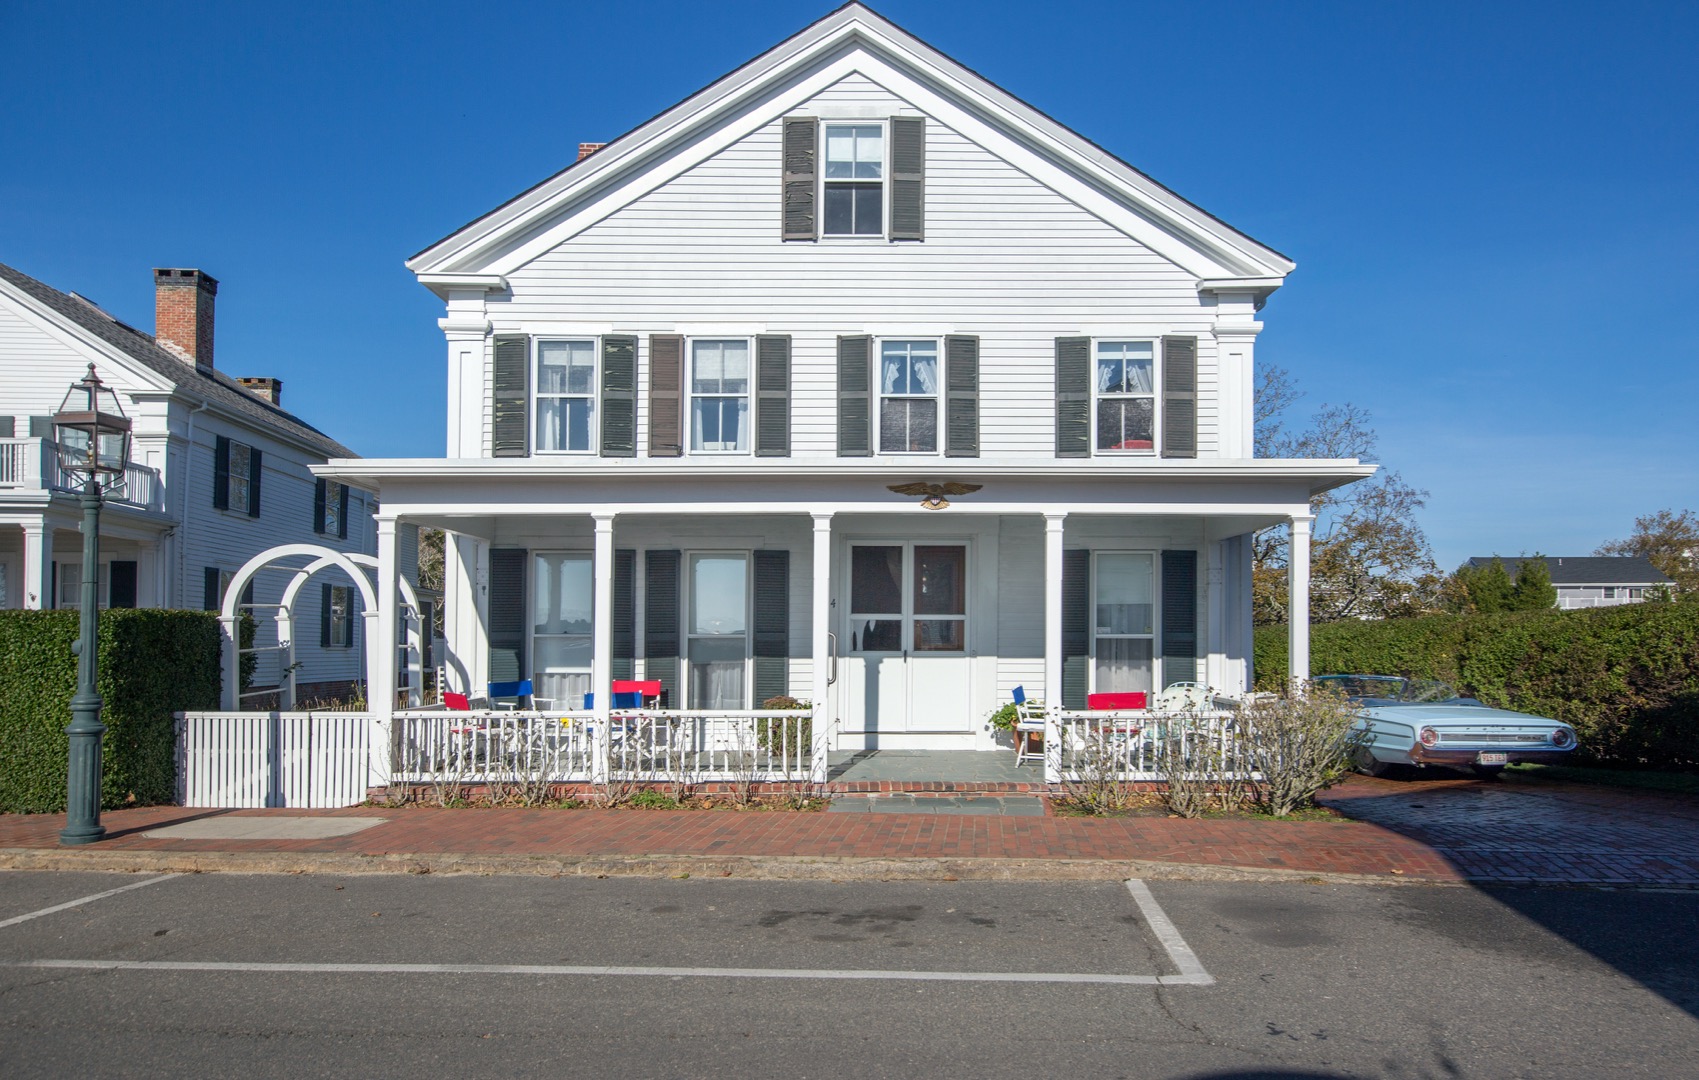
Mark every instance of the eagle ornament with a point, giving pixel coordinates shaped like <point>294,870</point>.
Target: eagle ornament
<point>935,493</point>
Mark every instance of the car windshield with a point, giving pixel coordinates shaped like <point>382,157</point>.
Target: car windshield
<point>1388,687</point>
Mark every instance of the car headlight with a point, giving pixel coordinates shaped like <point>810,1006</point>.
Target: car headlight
<point>1563,738</point>
<point>1428,736</point>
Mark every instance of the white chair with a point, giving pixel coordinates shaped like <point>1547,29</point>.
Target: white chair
<point>1028,729</point>
<point>1183,696</point>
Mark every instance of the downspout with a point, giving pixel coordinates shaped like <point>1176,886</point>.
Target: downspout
<point>183,515</point>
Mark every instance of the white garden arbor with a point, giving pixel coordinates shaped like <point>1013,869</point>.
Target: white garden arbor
<point>320,558</point>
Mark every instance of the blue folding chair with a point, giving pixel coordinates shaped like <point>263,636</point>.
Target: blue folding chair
<point>519,692</point>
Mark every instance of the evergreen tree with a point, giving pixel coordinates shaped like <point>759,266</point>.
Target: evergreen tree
<point>1487,588</point>
<point>1533,590</point>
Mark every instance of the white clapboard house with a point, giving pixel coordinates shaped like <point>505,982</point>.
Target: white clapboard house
<point>853,378</point>
<point>219,473</point>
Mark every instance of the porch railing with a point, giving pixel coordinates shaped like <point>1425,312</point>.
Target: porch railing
<point>481,748</point>
<point>1129,745</point>
<point>33,465</point>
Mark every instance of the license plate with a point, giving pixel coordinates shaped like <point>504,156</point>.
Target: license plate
<point>1490,758</point>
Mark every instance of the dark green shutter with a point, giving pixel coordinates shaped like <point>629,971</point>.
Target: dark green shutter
<point>661,623</point>
<point>619,396</point>
<point>1179,617</point>
<point>773,395</point>
<point>221,473</point>
<point>507,614</point>
<point>625,615</point>
<point>209,589</point>
<point>254,470</point>
<point>772,624</point>
<point>41,427</point>
<point>801,134</point>
<point>8,427</point>
<point>666,393</point>
<point>855,384</point>
<point>1076,628</point>
<point>121,584</point>
<point>324,615</point>
<point>510,423</point>
<point>318,504</point>
<point>961,404</point>
<point>908,178</point>
<point>1073,397</point>
<point>342,513</point>
<point>1180,397</point>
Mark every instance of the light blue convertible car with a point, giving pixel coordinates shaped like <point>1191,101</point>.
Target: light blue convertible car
<point>1425,722</point>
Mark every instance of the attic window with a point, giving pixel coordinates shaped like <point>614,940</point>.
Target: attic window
<point>854,180</point>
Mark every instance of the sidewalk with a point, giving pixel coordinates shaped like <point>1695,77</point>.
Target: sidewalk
<point>1430,832</point>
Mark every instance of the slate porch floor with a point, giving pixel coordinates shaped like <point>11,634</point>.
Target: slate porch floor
<point>927,766</point>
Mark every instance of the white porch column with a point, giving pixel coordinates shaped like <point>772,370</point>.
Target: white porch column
<point>38,566</point>
<point>1053,646</point>
<point>1215,609</point>
<point>601,660</point>
<point>1298,603</point>
<point>821,648</point>
<point>381,648</point>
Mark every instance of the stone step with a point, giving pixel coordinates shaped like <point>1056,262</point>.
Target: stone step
<point>973,805</point>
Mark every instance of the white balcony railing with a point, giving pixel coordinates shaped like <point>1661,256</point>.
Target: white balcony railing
<point>1129,744</point>
<point>33,465</point>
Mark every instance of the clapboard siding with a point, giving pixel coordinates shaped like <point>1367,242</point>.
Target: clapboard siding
<point>1005,257</point>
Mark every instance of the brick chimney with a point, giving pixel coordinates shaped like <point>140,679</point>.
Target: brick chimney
<point>585,149</point>
<point>182,313</point>
<point>269,389</point>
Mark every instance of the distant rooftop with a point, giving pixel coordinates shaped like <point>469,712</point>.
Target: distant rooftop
<point>1590,569</point>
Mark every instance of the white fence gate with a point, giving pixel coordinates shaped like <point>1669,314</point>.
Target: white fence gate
<point>295,759</point>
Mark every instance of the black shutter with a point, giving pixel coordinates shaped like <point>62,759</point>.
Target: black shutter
<point>52,599</point>
<point>325,593</point>
<point>666,395</point>
<point>254,457</point>
<point>772,624</point>
<point>121,584</point>
<point>8,427</point>
<point>221,473</point>
<point>661,623</point>
<point>855,384</point>
<point>510,384</point>
<point>342,513</point>
<point>801,135</point>
<point>1180,397</point>
<point>908,178</point>
<point>625,614</point>
<point>619,396</point>
<point>1179,617</point>
<point>1076,629</point>
<point>773,395</point>
<point>318,504</point>
<point>961,403</point>
<point>1073,397</point>
<point>41,427</point>
<point>507,614</point>
<point>210,600</point>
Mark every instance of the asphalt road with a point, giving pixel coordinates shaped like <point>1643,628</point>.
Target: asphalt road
<point>416,976</point>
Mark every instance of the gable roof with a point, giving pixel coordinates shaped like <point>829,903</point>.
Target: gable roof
<point>211,385</point>
<point>497,242</point>
<point>1590,569</point>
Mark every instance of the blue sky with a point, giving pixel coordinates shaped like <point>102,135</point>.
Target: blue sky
<point>1493,207</point>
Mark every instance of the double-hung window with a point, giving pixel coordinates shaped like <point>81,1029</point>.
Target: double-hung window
<point>241,465</point>
<point>563,595</point>
<point>1123,622</point>
<point>719,631</point>
<point>854,180</point>
<point>566,396</point>
<point>341,616</point>
<point>1124,396</point>
<point>908,397</point>
<point>719,396</point>
<point>335,502</point>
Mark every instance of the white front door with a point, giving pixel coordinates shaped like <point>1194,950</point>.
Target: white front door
<point>906,643</point>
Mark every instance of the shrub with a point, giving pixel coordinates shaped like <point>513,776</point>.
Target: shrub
<point>1295,746</point>
<point>152,664</point>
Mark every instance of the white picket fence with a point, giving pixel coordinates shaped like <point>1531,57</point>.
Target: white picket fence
<point>258,759</point>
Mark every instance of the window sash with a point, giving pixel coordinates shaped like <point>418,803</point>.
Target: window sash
<point>332,508</point>
<point>240,465</point>
<point>909,391</point>
<point>853,180</point>
<point>70,596</point>
<point>720,410</point>
<point>341,615</point>
<point>565,392</point>
<point>1125,417</point>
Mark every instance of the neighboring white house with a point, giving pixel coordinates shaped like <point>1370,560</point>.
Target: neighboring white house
<point>854,378</point>
<point>220,472</point>
<point>1589,581</point>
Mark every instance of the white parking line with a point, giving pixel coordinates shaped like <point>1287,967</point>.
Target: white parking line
<point>86,900</point>
<point>1191,973</point>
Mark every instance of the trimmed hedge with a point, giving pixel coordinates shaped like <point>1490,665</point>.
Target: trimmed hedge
<point>152,664</point>
<point>1627,677</point>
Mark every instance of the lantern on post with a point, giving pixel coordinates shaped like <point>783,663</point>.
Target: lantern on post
<point>93,436</point>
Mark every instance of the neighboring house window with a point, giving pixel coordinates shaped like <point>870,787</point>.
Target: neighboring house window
<point>854,194</point>
<point>563,599</point>
<point>236,473</point>
<point>341,616</point>
<point>718,627</point>
<point>1123,623</point>
<point>1125,396</point>
<point>69,577</point>
<point>566,396</point>
<point>908,397</point>
<point>217,586</point>
<point>241,461</point>
<point>335,505</point>
<point>719,396</point>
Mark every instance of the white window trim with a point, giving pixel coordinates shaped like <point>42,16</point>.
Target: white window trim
<point>879,396</point>
<point>687,605</point>
<point>245,476</point>
<point>1156,417</point>
<point>884,181</point>
<point>531,614</point>
<point>688,404</point>
<point>537,395</point>
<point>1155,635</point>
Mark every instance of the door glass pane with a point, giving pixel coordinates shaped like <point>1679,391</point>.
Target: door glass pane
<point>939,635</point>
<point>876,576</point>
<point>939,580</point>
<point>716,673</point>
<point>876,635</point>
<point>1123,665</point>
<point>1123,594</point>
<point>562,591</point>
<point>718,594</point>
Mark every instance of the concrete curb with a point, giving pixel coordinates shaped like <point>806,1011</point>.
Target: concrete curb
<point>748,867</point>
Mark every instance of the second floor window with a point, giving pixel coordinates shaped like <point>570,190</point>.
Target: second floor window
<point>241,466</point>
<point>1125,395</point>
<point>854,180</point>
<point>719,397</point>
<point>566,396</point>
<point>908,397</point>
<point>335,503</point>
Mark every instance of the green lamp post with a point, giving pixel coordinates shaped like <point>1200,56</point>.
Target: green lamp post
<point>94,446</point>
